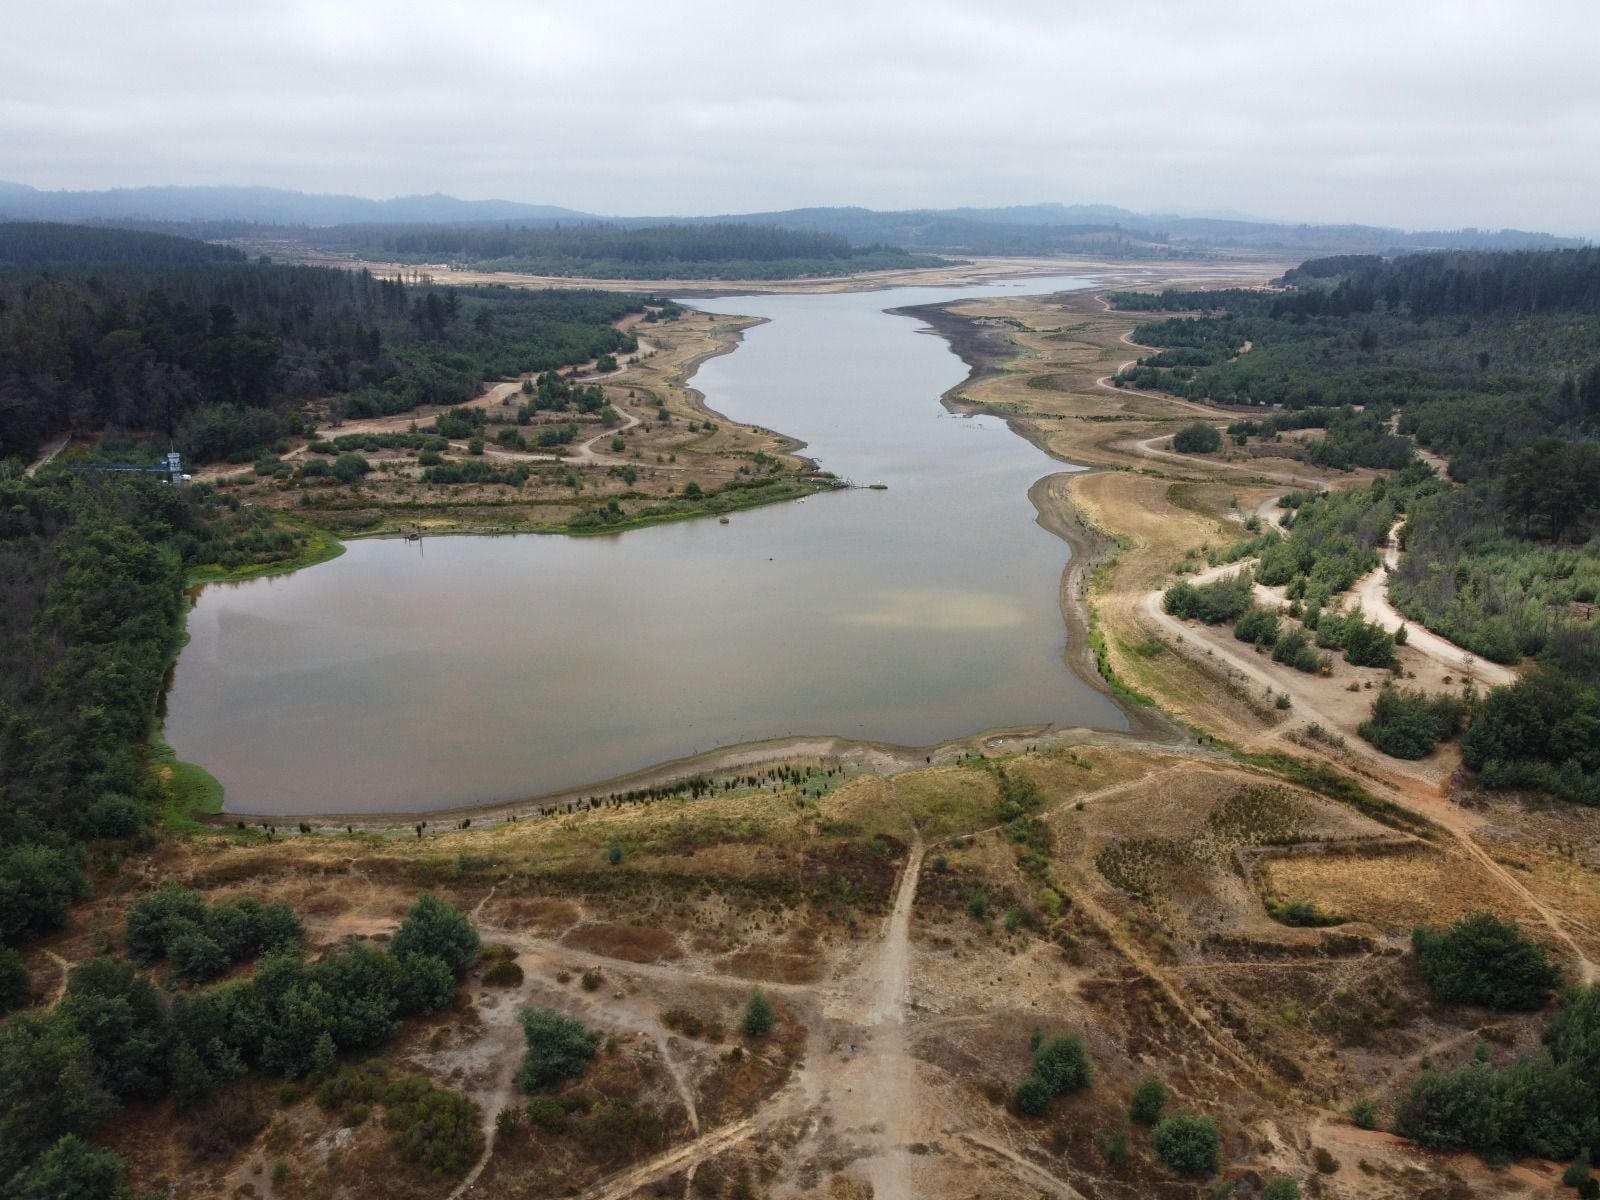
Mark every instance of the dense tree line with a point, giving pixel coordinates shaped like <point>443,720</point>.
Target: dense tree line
<point>226,356</point>
<point>609,251</point>
<point>92,572</point>
<point>45,244</point>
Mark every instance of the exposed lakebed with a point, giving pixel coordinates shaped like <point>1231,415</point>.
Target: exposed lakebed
<point>406,677</point>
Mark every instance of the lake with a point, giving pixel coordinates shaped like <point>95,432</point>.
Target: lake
<point>411,676</point>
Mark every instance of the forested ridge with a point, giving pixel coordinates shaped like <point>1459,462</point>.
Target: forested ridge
<point>606,251</point>
<point>1491,361</point>
<point>225,356</point>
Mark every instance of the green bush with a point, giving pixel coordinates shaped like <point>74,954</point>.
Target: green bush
<point>559,1048</point>
<point>439,1129</point>
<point>1149,1098</point>
<point>1364,1113</point>
<point>503,973</point>
<point>1486,961</point>
<point>1188,1145</point>
<point>1408,724</point>
<point>1063,1063</point>
<point>1198,438</point>
<point>1258,626</point>
<point>1299,913</point>
<point>1033,1096</point>
<point>1214,603</point>
<point>1578,1170</point>
<point>1283,1187</point>
<point>1294,649</point>
<point>423,984</point>
<point>619,1131</point>
<point>156,918</point>
<point>758,1018</point>
<point>349,468</point>
<point>13,980</point>
<point>196,957</point>
<point>436,928</point>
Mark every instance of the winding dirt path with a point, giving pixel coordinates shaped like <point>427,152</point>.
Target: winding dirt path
<point>61,984</point>
<point>49,452</point>
<point>1372,590</point>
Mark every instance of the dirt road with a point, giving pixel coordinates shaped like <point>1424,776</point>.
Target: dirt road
<point>49,452</point>
<point>1372,591</point>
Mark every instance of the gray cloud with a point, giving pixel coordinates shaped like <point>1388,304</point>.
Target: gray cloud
<point>1419,114</point>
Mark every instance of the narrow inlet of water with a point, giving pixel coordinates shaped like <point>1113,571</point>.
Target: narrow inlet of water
<point>407,677</point>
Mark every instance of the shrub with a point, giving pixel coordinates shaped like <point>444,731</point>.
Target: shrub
<point>504,972</point>
<point>1259,626</point>
<point>1282,1188</point>
<point>13,980</point>
<point>978,903</point>
<point>617,1131</point>
<point>1149,1098</point>
<point>156,918</point>
<point>1407,724</point>
<point>349,468</point>
<point>424,984</point>
<point>1486,961</point>
<point>758,1018</point>
<point>436,928</point>
<point>1188,1145</point>
<point>1294,649</point>
<point>1578,1170</point>
<point>1364,1113</point>
<point>1198,438</point>
<point>550,1114</point>
<point>1215,602</point>
<point>1366,643</point>
<point>1114,1146</point>
<point>195,956</point>
<point>1299,913</point>
<point>437,1128</point>
<point>1063,1063</point>
<point>1033,1097</point>
<point>559,1048</point>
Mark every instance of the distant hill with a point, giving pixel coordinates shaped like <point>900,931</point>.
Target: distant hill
<point>53,244</point>
<point>1100,230</point>
<point>267,206</point>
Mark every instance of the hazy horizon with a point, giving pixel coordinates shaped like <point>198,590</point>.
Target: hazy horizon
<point>1430,116</point>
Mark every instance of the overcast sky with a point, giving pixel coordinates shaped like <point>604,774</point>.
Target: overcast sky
<point>1422,115</point>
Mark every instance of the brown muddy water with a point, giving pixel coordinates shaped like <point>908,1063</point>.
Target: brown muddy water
<point>405,677</point>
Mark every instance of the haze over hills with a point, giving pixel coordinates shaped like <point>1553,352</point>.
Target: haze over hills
<point>274,206</point>
<point>347,222</point>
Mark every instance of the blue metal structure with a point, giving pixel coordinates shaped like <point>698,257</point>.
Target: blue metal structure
<point>171,466</point>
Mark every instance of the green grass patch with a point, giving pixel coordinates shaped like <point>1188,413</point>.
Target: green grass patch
<point>189,791</point>
<point>320,546</point>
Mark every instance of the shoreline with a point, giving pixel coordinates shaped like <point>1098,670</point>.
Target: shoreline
<point>986,350</point>
<point>984,353</point>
